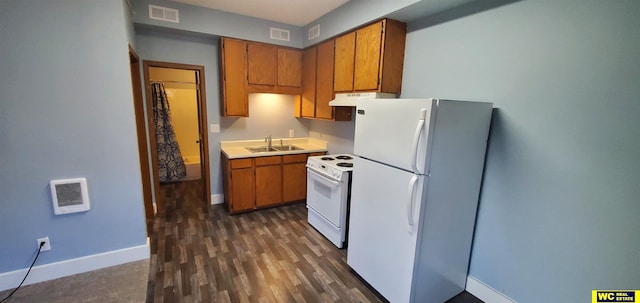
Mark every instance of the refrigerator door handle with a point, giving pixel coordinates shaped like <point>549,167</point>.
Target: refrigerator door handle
<point>416,141</point>
<point>410,205</point>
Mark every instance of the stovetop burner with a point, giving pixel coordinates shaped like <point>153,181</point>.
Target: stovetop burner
<point>344,157</point>
<point>331,164</point>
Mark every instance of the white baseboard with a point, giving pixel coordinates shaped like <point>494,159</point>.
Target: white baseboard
<point>485,292</point>
<point>217,199</point>
<point>50,271</point>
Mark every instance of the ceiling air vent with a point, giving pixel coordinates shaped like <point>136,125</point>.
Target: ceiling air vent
<point>280,34</point>
<point>313,32</point>
<point>163,13</point>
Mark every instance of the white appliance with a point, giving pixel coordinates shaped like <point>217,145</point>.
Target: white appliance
<point>328,182</point>
<point>414,195</point>
<point>349,99</point>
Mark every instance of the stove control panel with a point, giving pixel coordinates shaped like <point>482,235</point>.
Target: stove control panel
<point>333,167</point>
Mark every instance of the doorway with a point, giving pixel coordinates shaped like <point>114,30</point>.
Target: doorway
<point>183,86</point>
<point>143,151</point>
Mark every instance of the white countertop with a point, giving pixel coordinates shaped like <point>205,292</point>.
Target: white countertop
<point>237,150</point>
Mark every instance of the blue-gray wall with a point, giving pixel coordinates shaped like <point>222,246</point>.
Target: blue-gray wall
<point>338,134</point>
<point>66,111</point>
<point>271,114</point>
<point>559,209</point>
<point>353,14</point>
<point>196,50</point>
<point>128,20</point>
<point>204,21</point>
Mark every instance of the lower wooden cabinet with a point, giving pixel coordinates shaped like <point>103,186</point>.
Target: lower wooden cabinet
<point>242,186</point>
<point>268,181</point>
<point>294,177</point>
<point>238,184</point>
<point>254,183</point>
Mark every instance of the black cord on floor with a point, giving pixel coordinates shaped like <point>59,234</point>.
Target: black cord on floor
<point>25,276</point>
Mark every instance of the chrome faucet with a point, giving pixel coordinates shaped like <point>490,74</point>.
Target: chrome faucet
<point>268,140</point>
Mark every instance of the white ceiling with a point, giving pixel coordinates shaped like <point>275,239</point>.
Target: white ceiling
<point>297,12</point>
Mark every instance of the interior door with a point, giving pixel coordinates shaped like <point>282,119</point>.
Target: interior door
<point>382,242</point>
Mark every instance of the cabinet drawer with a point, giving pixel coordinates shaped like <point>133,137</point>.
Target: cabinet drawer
<point>268,160</point>
<point>240,163</point>
<point>294,158</point>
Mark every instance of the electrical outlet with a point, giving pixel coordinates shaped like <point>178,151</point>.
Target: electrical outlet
<point>47,244</point>
<point>292,133</point>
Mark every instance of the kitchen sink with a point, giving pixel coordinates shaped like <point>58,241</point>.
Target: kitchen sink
<point>261,149</point>
<point>287,147</point>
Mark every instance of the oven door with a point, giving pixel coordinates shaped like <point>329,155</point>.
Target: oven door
<point>327,197</point>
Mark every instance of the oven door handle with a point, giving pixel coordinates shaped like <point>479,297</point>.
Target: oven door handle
<point>322,177</point>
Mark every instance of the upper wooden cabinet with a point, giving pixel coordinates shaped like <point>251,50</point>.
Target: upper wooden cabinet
<point>252,67</point>
<point>261,63</point>
<point>317,84</point>
<point>371,58</point>
<point>273,69</point>
<point>289,67</point>
<point>308,96</point>
<point>235,98</point>
<point>345,52</point>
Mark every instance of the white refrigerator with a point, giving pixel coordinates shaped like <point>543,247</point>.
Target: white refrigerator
<point>415,187</point>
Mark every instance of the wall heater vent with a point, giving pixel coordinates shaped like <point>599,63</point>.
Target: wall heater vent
<point>313,32</point>
<point>280,34</point>
<point>163,13</point>
<point>69,195</point>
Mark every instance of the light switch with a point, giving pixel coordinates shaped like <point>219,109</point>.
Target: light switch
<point>215,128</point>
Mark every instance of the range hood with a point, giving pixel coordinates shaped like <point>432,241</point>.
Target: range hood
<point>349,99</point>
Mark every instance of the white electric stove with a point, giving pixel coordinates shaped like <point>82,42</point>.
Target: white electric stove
<point>328,193</point>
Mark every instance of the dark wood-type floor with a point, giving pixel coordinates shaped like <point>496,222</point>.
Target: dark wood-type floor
<point>202,254</point>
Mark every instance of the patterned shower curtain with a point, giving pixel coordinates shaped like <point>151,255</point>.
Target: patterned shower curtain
<point>170,163</point>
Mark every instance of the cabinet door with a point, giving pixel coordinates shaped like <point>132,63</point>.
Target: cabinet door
<point>308,97</point>
<point>268,185</point>
<point>261,63</point>
<point>395,33</point>
<point>235,97</point>
<point>242,190</point>
<point>294,181</point>
<point>289,67</point>
<point>324,85</point>
<point>367,57</point>
<point>344,62</point>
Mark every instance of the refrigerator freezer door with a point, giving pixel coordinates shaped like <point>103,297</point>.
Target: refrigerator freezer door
<point>395,131</point>
<point>382,244</point>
